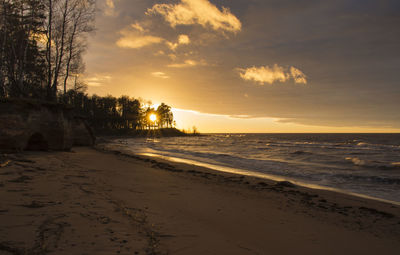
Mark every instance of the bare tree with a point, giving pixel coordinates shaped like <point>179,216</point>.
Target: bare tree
<point>60,22</point>
<point>68,23</point>
<point>82,23</point>
<point>49,48</point>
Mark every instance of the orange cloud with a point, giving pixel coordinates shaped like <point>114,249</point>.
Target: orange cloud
<point>298,76</point>
<point>202,12</point>
<point>135,40</point>
<point>182,40</point>
<point>188,63</point>
<point>110,8</point>
<point>266,74</point>
<point>138,27</point>
<point>97,80</point>
<point>160,75</point>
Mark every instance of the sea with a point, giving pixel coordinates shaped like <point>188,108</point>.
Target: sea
<point>366,165</point>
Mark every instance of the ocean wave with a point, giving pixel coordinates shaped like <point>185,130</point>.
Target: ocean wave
<point>369,164</point>
<point>356,161</point>
<point>301,153</point>
<point>373,164</point>
<point>199,154</point>
<point>263,148</point>
<point>367,179</point>
<point>377,146</point>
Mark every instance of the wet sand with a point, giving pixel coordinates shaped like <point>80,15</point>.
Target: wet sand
<point>93,202</point>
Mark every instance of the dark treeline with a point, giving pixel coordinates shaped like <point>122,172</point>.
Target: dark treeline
<point>42,42</point>
<point>123,113</point>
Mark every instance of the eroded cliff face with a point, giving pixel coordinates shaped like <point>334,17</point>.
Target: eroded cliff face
<point>82,133</point>
<point>28,125</point>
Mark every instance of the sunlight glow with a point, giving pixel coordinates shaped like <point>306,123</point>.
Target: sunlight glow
<point>153,117</point>
<point>219,123</point>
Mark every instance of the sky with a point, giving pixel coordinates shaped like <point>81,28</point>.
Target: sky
<point>253,65</point>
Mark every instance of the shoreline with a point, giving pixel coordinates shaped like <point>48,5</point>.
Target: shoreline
<point>271,179</point>
<point>327,195</point>
<point>264,176</point>
<point>249,173</point>
<point>103,202</point>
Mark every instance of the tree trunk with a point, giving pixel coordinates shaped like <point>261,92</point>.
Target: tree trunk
<point>60,49</point>
<point>71,42</point>
<point>2,51</point>
<point>50,94</point>
<point>21,73</point>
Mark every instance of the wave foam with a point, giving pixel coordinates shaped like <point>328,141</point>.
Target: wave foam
<point>356,161</point>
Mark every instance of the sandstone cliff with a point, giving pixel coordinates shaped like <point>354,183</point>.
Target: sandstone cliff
<point>31,125</point>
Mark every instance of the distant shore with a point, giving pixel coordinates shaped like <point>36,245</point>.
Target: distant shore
<point>159,132</point>
<point>97,202</point>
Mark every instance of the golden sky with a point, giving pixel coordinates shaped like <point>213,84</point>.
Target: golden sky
<point>253,65</point>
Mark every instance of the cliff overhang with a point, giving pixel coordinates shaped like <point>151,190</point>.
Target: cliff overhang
<point>35,125</point>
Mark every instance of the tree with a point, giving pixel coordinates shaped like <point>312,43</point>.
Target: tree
<point>163,112</point>
<point>21,60</point>
<point>129,111</point>
<point>82,16</point>
<point>42,42</point>
<point>67,25</point>
<point>149,111</point>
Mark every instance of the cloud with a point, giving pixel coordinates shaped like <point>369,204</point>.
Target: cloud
<point>135,40</point>
<point>159,53</point>
<point>172,56</point>
<point>266,74</point>
<point>182,40</point>
<point>97,80</point>
<point>188,63</point>
<point>172,46</point>
<point>135,37</point>
<point>110,8</point>
<point>110,4</point>
<point>202,12</point>
<point>160,75</point>
<point>298,76</point>
<point>138,27</point>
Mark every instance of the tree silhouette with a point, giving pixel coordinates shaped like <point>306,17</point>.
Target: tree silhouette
<point>21,60</point>
<point>42,42</point>
<point>163,112</point>
<point>123,113</point>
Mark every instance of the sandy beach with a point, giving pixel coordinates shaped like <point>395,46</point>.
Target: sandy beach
<point>92,202</point>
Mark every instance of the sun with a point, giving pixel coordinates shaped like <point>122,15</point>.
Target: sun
<point>153,117</point>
